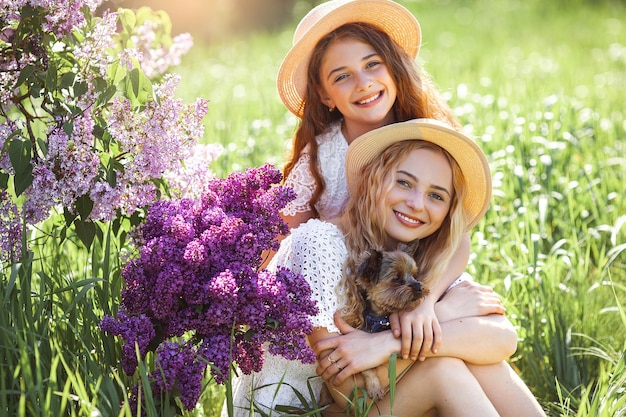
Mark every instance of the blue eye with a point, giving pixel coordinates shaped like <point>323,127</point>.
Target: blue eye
<point>403,183</point>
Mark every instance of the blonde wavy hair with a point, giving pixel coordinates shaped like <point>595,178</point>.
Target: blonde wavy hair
<point>364,230</point>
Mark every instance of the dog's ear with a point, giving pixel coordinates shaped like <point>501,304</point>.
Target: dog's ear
<point>409,248</point>
<point>370,265</point>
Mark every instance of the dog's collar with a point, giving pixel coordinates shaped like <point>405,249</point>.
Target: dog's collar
<point>374,324</point>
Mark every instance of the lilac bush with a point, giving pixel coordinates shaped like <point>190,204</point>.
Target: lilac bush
<point>89,119</point>
<point>196,294</point>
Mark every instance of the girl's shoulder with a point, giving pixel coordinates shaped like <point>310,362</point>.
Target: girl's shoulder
<point>315,248</point>
<point>319,239</point>
<point>331,134</point>
<point>316,230</point>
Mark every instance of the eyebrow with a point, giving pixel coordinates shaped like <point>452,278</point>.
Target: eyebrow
<point>339,69</point>
<point>435,186</point>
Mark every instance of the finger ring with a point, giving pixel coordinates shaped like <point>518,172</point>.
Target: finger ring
<point>337,365</point>
<point>331,360</point>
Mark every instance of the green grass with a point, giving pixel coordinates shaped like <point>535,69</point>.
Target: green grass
<point>541,86</point>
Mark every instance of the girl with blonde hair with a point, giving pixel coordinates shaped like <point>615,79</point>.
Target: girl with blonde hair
<point>419,179</point>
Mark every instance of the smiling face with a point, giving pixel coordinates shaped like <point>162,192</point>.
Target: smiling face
<point>356,81</point>
<point>419,197</point>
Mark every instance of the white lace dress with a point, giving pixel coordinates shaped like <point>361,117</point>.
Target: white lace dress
<point>332,150</point>
<point>315,249</point>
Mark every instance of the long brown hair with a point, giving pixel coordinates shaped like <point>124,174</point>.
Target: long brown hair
<point>417,96</point>
<point>364,230</point>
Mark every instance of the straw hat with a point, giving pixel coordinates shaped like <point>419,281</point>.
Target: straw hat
<point>387,15</point>
<point>468,155</point>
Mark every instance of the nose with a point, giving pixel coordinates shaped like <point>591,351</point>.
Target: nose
<point>416,201</point>
<point>364,82</point>
<point>417,289</point>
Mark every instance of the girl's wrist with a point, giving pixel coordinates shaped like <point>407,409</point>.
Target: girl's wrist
<point>394,343</point>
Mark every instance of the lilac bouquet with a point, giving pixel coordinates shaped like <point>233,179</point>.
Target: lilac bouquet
<point>196,294</point>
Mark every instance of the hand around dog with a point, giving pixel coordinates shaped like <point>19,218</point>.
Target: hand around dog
<point>340,357</point>
<point>469,299</point>
<point>419,329</point>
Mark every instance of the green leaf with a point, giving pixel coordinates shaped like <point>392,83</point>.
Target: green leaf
<point>68,127</point>
<point>43,145</point>
<point>67,80</point>
<point>99,83</point>
<point>86,231</point>
<point>127,19</point>
<point>137,218</point>
<point>35,90</point>
<point>112,177</point>
<point>138,87</point>
<point>271,323</point>
<point>20,155</point>
<point>80,89</point>
<point>69,217</point>
<point>83,206</point>
<point>116,73</point>
<point>25,74</point>
<point>52,77</point>
<point>62,235</point>
<point>135,81</point>
<point>4,180</point>
<point>105,96</point>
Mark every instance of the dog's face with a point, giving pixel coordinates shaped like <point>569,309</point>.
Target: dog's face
<point>388,279</point>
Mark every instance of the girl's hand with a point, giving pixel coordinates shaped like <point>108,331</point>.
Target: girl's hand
<point>419,329</point>
<point>340,357</point>
<point>468,299</point>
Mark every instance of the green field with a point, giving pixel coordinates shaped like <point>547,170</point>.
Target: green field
<point>542,87</point>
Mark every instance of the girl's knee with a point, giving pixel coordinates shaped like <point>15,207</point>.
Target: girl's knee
<point>447,371</point>
<point>443,364</point>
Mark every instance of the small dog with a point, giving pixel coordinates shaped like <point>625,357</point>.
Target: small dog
<point>385,283</point>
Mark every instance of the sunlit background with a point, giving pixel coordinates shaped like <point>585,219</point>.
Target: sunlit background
<point>209,20</point>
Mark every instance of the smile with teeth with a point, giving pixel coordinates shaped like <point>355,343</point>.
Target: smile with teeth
<point>408,219</point>
<point>369,99</point>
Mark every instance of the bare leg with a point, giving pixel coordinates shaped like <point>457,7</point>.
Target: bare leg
<point>506,390</point>
<point>438,387</point>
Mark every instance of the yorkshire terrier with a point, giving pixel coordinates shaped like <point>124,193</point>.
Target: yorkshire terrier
<point>385,283</point>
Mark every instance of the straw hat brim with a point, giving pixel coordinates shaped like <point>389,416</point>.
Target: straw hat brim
<point>391,17</point>
<point>466,152</point>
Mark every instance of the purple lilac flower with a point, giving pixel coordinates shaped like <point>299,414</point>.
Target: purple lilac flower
<point>37,207</point>
<point>153,141</point>
<point>10,229</point>
<point>62,16</point>
<point>134,329</point>
<point>198,277</point>
<point>156,59</point>
<point>67,172</point>
<point>8,77</point>
<point>191,178</point>
<point>6,129</point>
<point>179,366</point>
<point>92,53</point>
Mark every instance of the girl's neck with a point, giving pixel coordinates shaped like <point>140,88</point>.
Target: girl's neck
<point>351,131</point>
